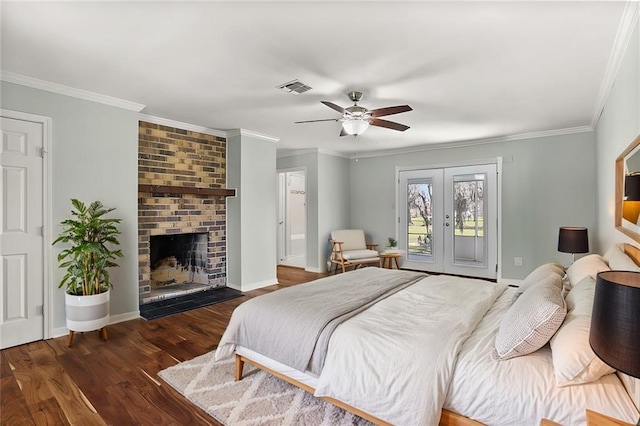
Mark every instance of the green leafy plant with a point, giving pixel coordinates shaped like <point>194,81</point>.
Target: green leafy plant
<point>392,242</point>
<point>89,258</point>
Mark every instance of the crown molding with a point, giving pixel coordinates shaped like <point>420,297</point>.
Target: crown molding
<point>334,153</point>
<point>252,134</point>
<point>180,125</point>
<point>475,142</point>
<point>623,37</point>
<point>60,89</point>
<point>295,152</point>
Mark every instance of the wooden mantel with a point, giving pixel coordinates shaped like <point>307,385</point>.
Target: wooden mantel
<point>165,189</point>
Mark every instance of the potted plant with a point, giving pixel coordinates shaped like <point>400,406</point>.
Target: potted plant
<point>87,262</point>
<point>393,245</point>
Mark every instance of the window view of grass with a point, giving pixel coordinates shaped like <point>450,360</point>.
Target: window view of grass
<point>420,220</point>
<point>468,213</point>
<point>419,237</point>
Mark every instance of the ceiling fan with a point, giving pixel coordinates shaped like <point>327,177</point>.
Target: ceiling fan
<point>356,119</point>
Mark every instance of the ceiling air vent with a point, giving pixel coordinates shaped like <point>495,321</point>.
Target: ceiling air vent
<point>294,87</point>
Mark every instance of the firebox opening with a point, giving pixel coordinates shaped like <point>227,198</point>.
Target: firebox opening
<point>178,265</point>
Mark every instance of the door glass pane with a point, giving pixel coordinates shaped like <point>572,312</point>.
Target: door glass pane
<point>420,217</point>
<point>468,218</point>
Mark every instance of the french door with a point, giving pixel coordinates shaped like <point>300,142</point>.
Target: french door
<point>448,220</point>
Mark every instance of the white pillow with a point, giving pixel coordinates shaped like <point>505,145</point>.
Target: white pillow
<point>586,266</point>
<point>542,272</point>
<point>532,320</point>
<point>609,253</point>
<point>573,360</point>
<point>618,260</point>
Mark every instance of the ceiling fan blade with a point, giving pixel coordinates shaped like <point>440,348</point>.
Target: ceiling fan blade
<point>343,133</point>
<point>315,121</point>
<point>390,110</point>
<point>334,106</point>
<point>388,124</point>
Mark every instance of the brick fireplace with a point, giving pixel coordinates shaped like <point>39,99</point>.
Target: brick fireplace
<point>181,191</point>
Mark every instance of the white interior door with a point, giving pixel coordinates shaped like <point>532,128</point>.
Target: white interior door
<point>21,232</point>
<point>296,217</point>
<point>292,218</point>
<point>282,190</point>
<point>448,220</point>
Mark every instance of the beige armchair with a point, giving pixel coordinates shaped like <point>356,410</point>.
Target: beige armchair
<point>349,248</point>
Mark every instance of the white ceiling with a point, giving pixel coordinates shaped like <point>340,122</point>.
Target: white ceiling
<point>470,70</point>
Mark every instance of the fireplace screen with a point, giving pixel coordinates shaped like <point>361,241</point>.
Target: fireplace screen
<point>178,259</point>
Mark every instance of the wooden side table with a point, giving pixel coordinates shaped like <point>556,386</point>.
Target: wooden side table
<point>387,259</point>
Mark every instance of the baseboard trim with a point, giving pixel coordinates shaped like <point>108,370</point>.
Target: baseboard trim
<point>253,286</point>
<point>315,270</point>
<point>113,319</point>
<point>59,332</point>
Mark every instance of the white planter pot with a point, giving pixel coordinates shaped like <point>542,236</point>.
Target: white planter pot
<point>87,313</point>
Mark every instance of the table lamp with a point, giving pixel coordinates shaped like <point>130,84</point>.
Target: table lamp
<point>573,239</point>
<point>615,321</point>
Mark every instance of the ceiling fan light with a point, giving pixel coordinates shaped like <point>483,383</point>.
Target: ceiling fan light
<point>355,127</point>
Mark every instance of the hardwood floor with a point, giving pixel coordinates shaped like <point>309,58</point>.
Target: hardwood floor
<point>115,382</point>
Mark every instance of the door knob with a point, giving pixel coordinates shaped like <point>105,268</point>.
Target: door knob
<point>446,224</point>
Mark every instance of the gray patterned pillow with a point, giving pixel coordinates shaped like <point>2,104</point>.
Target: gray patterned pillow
<point>531,321</point>
<point>542,272</point>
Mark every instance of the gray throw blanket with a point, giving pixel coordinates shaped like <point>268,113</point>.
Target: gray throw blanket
<point>294,325</point>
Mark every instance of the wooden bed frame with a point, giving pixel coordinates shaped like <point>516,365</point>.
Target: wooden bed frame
<point>447,418</point>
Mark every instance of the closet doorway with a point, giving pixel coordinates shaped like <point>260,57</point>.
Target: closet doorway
<point>292,217</point>
<point>448,220</point>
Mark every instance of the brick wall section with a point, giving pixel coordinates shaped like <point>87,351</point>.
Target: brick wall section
<point>176,157</point>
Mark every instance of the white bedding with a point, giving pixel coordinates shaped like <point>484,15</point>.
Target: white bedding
<point>501,392</point>
<point>370,365</point>
<point>382,361</point>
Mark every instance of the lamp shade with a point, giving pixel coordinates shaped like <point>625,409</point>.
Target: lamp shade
<point>573,239</point>
<point>355,126</point>
<point>632,188</point>
<point>615,321</point>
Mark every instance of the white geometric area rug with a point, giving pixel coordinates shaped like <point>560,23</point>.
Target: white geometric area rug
<point>258,399</point>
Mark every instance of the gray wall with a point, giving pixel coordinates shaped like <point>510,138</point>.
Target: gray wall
<point>94,156</point>
<point>252,214</point>
<point>334,201</point>
<point>546,183</point>
<point>328,201</point>
<point>234,208</point>
<point>619,125</point>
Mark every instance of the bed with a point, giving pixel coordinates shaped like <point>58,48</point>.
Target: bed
<point>398,347</point>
